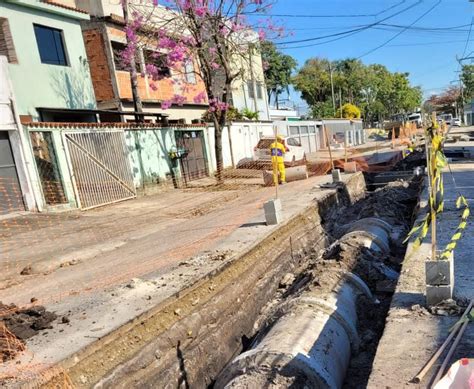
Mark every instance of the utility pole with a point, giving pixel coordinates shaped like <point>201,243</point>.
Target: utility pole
<point>137,101</point>
<point>332,89</point>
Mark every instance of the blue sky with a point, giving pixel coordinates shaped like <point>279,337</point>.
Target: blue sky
<point>429,56</point>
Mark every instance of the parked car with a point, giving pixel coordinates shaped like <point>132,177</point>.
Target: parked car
<point>447,118</point>
<point>294,155</point>
<point>457,122</point>
<point>416,118</point>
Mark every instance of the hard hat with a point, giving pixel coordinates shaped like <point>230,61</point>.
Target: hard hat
<point>279,137</point>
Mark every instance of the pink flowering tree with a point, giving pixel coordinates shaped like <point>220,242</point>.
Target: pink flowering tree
<point>212,39</point>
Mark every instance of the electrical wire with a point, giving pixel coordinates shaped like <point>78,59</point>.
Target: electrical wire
<point>468,38</point>
<point>454,29</point>
<point>401,32</point>
<point>350,32</point>
<point>427,43</point>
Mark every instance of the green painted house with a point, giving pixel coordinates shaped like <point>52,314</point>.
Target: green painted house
<point>47,59</point>
<point>46,64</point>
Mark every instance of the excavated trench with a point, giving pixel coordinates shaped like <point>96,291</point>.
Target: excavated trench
<point>323,326</point>
<point>305,306</point>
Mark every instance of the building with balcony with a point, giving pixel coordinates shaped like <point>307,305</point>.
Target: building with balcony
<point>105,39</point>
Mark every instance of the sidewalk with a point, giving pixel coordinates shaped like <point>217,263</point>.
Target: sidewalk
<point>143,252</point>
<point>412,334</point>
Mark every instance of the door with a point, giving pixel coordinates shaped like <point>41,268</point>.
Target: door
<point>11,198</point>
<point>194,163</point>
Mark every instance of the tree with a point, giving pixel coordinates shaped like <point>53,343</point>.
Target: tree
<point>313,81</point>
<point>378,92</point>
<point>278,68</point>
<point>214,35</point>
<point>322,110</point>
<point>445,101</point>
<point>467,78</point>
<point>349,111</point>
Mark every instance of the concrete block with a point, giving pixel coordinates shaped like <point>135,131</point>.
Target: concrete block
<point>438,293</point>
<point>439,272</point>
<point>336,175</point>
<point>272,211</point>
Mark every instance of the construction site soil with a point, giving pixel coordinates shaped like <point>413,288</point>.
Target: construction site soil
<point>317,262</point>
<point>319,273</point>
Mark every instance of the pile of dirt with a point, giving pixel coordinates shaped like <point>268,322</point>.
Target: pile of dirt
<point>17,324</point>
<point>413,160</point>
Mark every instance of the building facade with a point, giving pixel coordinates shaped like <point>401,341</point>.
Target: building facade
<point>46,68</point>
<point>469,114</point>
<point>105,39</point>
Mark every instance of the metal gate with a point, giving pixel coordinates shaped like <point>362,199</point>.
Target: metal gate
<point>11,198</point>
<point>194,164</point>
<point>99,166</point>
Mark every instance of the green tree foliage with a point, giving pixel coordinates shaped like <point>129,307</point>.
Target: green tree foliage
<point>349,111</point>
<point>378,92</point>
<point>322,110</point>
<point>278,68</point>
<point>467,78</point>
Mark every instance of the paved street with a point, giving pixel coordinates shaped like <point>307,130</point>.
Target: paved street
<point>419,333</point>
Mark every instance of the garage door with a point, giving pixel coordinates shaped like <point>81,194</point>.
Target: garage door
<point>11,199</point>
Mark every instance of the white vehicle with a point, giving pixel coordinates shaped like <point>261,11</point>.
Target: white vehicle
<point>416,118</point>
<point>295,153</point>
<point>447,118</point>
<point>457,122</point>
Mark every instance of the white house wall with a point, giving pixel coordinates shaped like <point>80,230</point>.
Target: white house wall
<point>245,136</point>
<point>20,147</point>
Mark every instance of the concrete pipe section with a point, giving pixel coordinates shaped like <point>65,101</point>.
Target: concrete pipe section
<point>372,232</point>
<point>309,346</point>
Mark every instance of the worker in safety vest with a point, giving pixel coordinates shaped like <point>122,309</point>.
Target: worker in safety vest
<point>277,151</point>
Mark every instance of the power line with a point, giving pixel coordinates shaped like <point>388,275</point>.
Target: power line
<point>350,32</point>
<point>468,37</point>
<point>455,29</point>
<point>428,43</point>
<point>401,32</point>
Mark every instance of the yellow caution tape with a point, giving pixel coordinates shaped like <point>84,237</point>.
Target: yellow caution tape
<point>436,201</point>
<point>461,202</point>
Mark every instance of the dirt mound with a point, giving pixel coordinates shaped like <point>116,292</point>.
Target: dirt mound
<point>17,324</point>
<point>413,160</point>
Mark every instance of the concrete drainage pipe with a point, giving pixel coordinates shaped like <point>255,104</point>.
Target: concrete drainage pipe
<point>309,346</point>
<point>373,233</point>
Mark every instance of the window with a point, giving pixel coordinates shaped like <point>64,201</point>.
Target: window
<point>159,60</point>
<point>117,49</point>
<point>312,129</point>
<point>294,130</point>
<point>6,42</point>
<point>50,45</point>
<point>251,91</point>
<point>189,74</point>
<point>259,90</point>
<point>304,130</point>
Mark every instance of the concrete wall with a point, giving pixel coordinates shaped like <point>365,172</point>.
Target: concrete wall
<point>148,154</point>
<point>469,114</point>
<point>312,138</point>
<point>245,136</point>
<point>42,85</point>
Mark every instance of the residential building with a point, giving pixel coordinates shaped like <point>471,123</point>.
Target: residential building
<point>105,39</point>
<point>285,114</point>
<point>16,193</point>
<point>469,114</point>
<point>45,77</point>
<point>249,91</point>
<point>47,60</point>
